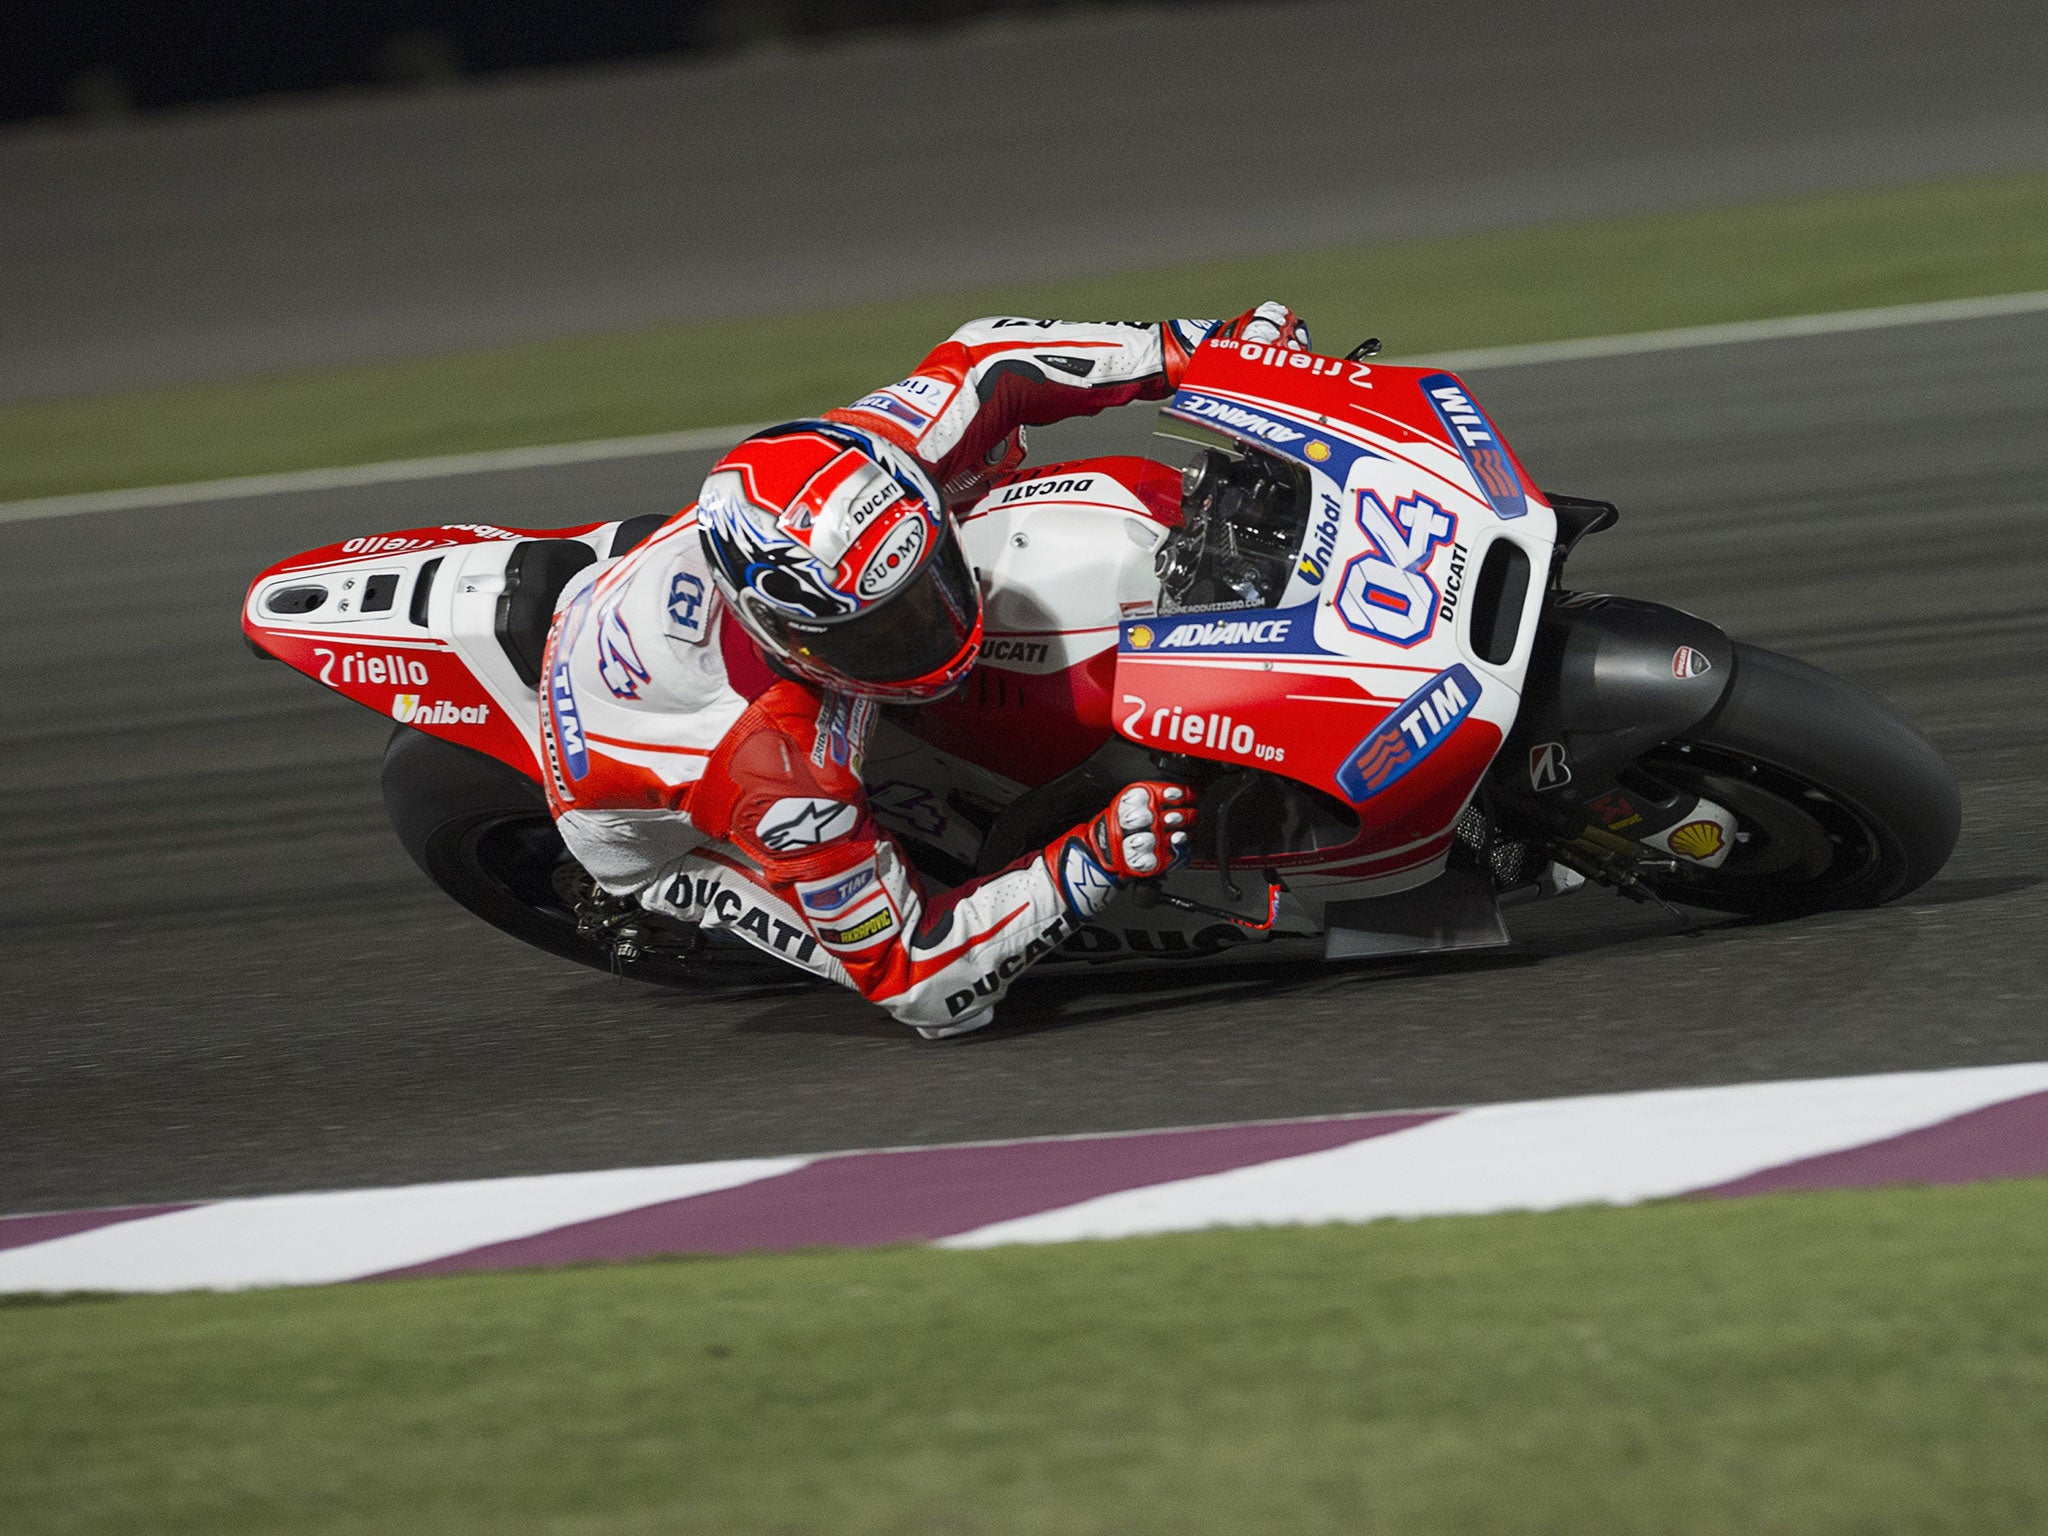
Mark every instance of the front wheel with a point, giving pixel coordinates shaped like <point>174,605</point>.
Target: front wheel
<point>1839,802</point>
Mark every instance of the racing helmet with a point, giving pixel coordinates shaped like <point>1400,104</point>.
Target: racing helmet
<point>834,551</point>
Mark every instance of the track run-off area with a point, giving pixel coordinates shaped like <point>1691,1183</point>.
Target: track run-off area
<point>224,978</point>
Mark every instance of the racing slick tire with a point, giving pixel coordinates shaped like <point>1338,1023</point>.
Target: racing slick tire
<point>1839,802</point>
<point>482,833</point>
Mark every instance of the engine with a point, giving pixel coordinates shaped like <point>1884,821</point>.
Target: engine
<point>1245,514</point>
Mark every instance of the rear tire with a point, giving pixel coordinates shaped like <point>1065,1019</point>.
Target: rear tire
<point>481,831</point>
<point>1840,803</point>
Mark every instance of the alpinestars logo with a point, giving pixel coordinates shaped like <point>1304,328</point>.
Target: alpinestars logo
<point>1086,885</point>
<point>804,823</point>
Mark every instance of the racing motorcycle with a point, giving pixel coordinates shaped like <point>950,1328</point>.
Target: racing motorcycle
<point>1333,598</point>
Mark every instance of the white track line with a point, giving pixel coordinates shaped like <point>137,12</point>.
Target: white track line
<point>551,455</point>
<point>316,1239</point>
<point>1611,1149</point>
<point>397,471</point>
<point>1600,1149</point>
<point>1787,328</point>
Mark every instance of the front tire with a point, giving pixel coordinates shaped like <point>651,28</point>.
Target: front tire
<point>1840,803</point>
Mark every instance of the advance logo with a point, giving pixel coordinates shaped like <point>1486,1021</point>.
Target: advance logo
<point>1234,418</point>
<point>1416,728</point>
<point>1248,629</point>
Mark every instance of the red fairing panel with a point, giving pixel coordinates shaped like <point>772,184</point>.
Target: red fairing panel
<point>378,636</point>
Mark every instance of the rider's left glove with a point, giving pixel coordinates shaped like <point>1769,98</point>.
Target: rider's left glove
<point>1271,323</point>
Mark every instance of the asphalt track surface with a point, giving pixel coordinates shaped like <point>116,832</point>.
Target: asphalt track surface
<point>298,234</point>
<point>223,977</point>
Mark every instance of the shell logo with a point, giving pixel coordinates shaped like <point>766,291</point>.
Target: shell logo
<point>1140,636</point>
<point>1697,839</point>
<point>1317,450</point>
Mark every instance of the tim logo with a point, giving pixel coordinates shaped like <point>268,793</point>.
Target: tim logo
<point>1416,728</point>
<point>568,724</point>
<point>1386,591</point>
<point>1476,441</point>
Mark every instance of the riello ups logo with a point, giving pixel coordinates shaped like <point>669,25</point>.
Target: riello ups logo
<point>407,709</point>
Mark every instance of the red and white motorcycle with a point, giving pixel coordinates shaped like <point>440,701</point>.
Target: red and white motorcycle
<point>1334,599</point>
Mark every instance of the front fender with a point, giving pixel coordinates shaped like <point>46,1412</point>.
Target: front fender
<point>1609,679</point>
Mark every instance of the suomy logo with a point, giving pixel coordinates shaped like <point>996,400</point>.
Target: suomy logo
<point>895,559</point>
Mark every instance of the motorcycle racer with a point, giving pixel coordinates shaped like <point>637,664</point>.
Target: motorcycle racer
<point>708,697</point>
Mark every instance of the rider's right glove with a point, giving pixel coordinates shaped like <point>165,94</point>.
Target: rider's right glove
<point>1270,322</point>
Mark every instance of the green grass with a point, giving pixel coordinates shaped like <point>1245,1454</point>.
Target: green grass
<point>1864,1362</point>
<point>1931,241</point>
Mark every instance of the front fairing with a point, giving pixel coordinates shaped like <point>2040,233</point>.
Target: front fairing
<point>1383,667</point>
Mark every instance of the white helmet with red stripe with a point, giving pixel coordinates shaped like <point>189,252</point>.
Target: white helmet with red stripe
<point>835,552</point>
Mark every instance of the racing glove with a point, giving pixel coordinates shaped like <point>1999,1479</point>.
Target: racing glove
<point>1144,831</point>
<point>1270,323</point>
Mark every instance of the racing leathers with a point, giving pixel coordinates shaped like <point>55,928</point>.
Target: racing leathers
<point>684,772</point>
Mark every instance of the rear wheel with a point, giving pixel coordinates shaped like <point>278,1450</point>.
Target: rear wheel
<point>482,833</point>
<point>1839,802</point>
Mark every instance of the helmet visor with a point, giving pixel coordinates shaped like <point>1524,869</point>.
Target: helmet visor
<point>909,635</point>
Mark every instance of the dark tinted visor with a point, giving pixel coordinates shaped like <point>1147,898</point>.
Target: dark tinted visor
<point>910,634</point>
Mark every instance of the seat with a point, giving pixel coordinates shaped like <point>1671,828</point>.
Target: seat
<point>534,577</point>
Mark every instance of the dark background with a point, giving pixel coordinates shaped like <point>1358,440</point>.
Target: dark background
<point>105,59</point>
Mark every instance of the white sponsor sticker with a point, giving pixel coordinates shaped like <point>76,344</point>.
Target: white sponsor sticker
<point>804,822</point>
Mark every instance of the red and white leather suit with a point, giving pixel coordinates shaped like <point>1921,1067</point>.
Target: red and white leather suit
<point>685,773</point>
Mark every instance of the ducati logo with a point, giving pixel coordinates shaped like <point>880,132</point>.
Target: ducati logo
<point>1549,768</point>
<point>1687,662</point>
